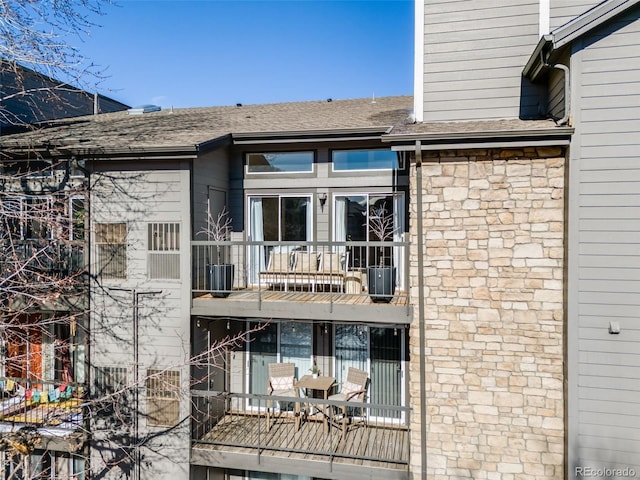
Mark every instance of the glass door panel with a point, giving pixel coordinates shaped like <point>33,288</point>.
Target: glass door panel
<point>386,370</point>
<point>276,219</point>
<point>263,350</point>
<point>294,219</point>
<point>270,223</point>
<point>296,346</point>
<point>351,350</point>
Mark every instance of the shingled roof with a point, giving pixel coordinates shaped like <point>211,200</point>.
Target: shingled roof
<point>190,128</point>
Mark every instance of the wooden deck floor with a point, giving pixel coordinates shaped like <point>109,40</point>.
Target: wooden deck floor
<point>367,446</point>
<point>399,299</point>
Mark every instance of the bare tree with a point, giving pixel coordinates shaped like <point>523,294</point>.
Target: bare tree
<point>45,284</point>
<point>38,63</point>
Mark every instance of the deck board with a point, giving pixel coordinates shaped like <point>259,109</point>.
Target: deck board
<point>399,299</point>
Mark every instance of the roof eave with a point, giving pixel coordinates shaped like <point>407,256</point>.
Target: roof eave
<point>61,150</point>
<point>536,63</point>
<point>362,133</point>
<point>570,31</point>
<point>589,20</point>
<point>482,135</point>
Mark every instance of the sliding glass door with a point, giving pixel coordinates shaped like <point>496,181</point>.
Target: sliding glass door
<point>263,351</point>
<point>358,218</point>
<point>378,351</point>
<point>276,219</point>
<point>278,342</point>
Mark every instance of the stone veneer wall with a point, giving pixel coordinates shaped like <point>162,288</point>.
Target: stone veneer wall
<point>493,285</point>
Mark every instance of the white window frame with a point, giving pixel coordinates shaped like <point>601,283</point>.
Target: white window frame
<point>253,276</point>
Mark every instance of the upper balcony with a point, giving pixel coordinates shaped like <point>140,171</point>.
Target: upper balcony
<point>49,269</point>
<point>345,281</point>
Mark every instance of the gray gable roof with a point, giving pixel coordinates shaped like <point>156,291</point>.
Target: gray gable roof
<point>190,129</point>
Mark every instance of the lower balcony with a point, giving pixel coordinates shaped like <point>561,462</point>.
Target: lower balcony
<point>41,415</point>
<point>298,435</point>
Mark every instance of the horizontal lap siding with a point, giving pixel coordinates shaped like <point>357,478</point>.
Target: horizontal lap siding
<point>608,270</point>
<point>477,49</point>
<point>562,11</point>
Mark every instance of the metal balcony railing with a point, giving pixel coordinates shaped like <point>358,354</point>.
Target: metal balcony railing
<point>312,269</point>
<point>43,258</point>
<point>39,403</point>
<point>369,432</point>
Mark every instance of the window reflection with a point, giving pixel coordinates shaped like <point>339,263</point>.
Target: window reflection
<point>365,160</point>
<point>280,162</point>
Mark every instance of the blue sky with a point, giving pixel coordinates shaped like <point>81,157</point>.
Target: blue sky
<point>211,52</point>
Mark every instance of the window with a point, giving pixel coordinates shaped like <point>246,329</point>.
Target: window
<point>289,162</point>
<point>276,219</point>
<point>278,342</point>
<point>163,250</point>
<point>365,160</point>
<point>53,466</point>
<point>77,212</point>
<point>28,218</point>
<point>163,401</point>
<point>30,168</point>
<point>111,250</point>
<point>10,218</point>
<point>110,389</point>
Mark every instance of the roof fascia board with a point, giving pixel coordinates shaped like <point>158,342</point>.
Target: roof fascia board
<point>306,140</point>
<point>535,64</point>
<point>311,135</point>
<point>481,135</point>
<point>570,31</point>
<point>215,143</point>
<point>186,150</point>
<point>589,20</point>
<point>477,145</point>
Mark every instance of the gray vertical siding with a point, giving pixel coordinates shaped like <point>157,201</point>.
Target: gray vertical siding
<point>604,369</point>
<point>562,11</point>
<point>209,171</point>
<point>474,52</point>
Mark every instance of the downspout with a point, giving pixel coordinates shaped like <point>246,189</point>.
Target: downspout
<point>567,88</point>
<point>421,323</point>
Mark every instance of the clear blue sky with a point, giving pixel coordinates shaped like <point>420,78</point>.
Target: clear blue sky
<point>211,52</point>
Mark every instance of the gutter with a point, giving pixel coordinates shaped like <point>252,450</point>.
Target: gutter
<point>304,136</point>
<point>548,136</point>
<point>533,68</point>
<point>539,63</point>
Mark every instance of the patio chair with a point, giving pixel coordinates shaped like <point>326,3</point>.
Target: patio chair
<point>353,389</point>
<point>281,383</point>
